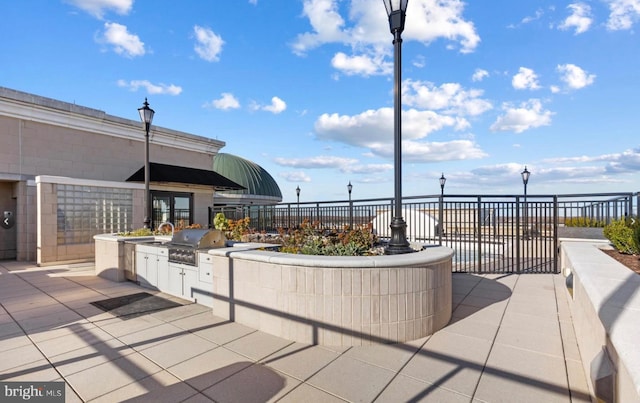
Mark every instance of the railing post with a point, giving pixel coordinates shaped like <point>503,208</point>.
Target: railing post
<point>556,246</point>
<point>517,235</point>
<point>479,244</point>
<point>440,218</point>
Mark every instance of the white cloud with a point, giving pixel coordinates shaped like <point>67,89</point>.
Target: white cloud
<point>277,106</point>
<point>580,18</point>
<point>123,42</point>
<point>366,31</point>
<point>344,165</point>
<point>526,79</point>
<point>363,65</point>
<point>97,8</point>
<point>418,62</point>
<point>627,161</point>
<point>297,176</point>
<point>479,75</point>
<point>225,102</point>
<point>374,128</point>
<point>508,170</point>
<point>623,14</point>
<point>450,98</point>
<point>327,24</point>
<point>208,44</point>
<point>527,116</point>
<point>428,20</point>
<point>539,13</point>
<point>318,162</point>
<point>135,85</point>
<point>366,168</point>
<point>416,151</point>
<point>575,77</point>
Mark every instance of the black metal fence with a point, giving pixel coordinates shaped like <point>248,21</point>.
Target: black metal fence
<point>490,234</point>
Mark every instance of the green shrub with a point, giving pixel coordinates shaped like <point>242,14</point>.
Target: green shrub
<point>621,233</point>
<point>137,232</point>
<point>235,229</point>
<point>635,227</point>
<point>220,222</point>
<point>310,239</point>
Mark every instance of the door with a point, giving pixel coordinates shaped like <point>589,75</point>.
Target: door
<point>8,230</point>
<point>161,209</point>
<point>176,208</point>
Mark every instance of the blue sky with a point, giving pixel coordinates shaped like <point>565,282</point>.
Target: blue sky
<point>304,88</point>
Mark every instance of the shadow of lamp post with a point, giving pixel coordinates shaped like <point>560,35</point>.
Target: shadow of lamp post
<point>298,205</point>
<point>525,179</point>
<point>396,11</point>
<point>146,116</point>
<point>443,180</point>
<point>350,188</point>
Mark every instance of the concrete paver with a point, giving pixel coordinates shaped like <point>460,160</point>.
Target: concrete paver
<point>510,339</point>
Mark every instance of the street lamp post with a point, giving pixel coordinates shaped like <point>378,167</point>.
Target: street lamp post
<point>146,116</point>
<point>396,11</point>
<point>350,188</point>
<point>525,179</point>
<point>443,180</point>
<point>298,205</point>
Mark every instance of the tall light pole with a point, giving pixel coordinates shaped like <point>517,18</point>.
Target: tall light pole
<point>396,11</point>
<point>298,205</point>
<point>350,188</point>
<point>525,179</point>
<point>443,180</point>
<point>146,116</point>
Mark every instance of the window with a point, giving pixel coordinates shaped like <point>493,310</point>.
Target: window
<point>176,208</point>
<point>85,211</point>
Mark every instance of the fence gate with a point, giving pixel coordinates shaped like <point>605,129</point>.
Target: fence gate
<point>502,236</point>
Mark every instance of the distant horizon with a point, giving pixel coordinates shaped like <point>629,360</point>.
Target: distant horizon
<point>304,88</point>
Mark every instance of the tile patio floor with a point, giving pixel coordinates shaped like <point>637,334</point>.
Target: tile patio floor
<point>511,339</point>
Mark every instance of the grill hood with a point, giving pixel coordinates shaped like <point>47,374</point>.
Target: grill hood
<point>199,239</point>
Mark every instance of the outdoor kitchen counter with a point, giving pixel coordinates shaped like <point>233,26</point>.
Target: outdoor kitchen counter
<point>112,258</point>
<point>334,300</point>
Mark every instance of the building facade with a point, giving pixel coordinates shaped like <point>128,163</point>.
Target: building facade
<point>68,172</point>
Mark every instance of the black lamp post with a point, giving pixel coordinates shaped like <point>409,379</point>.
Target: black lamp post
<point>396,10</point>
<point>525,179</point>
<point>298,205</point>
<point>350,188</point>
<point>146,116</point>
<point>443,180</point>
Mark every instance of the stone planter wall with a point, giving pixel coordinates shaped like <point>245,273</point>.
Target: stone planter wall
<point>335,300</point>
<point>605,306</point>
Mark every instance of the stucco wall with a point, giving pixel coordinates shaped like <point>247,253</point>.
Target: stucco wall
<point>33,148</point>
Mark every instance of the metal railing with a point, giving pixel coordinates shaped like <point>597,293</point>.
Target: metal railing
<point>490,233</point>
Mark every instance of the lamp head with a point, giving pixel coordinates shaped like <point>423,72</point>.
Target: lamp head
<point>443,180</point>
<point>396,11</point>
<point>146,113</point>
<point>525,175</point>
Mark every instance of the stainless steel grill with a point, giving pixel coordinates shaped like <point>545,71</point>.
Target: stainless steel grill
<point>185,244</point>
